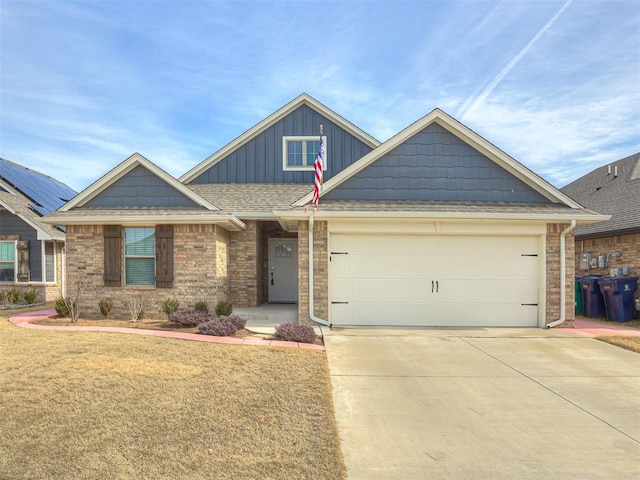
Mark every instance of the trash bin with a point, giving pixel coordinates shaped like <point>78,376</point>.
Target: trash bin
<point>578,294</point>
<point>592,301</point>
<point>618,297</point>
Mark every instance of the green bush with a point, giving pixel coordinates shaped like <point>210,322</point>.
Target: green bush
<point>13,295</point>
<point>105,306</point>
<point>170,305</point>
<point>3,296</point>
<point>223,308</point>
<point>202,306</point>
<point>30,296</point>
<point>61,307</point>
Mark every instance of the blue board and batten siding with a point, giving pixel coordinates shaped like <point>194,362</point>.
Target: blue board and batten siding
<point>12,225</point>
<point>435,165</point>
<point>260,159</point>
<point>140,188</point>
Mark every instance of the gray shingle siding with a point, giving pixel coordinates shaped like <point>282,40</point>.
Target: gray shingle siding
<point>140,188</point>
<point>260,159</point>
<point>12,225</point>
<point>435,165</point>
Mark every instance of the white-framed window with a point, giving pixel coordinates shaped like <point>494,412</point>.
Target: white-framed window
<point>8,261</point>
<point>49,263</point>
<point>140,255</point>
<point>299,153</point>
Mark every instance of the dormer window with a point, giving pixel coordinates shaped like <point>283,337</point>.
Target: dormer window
<point>299,153</point>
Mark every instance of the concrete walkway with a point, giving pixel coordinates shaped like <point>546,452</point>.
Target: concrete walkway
<point>484,403</point>
<point>24,320</point>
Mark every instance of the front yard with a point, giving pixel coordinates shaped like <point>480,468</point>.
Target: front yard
<point>92,405</point>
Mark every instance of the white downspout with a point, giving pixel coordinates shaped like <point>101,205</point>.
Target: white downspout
<point>311,315</point>
<point>563,276</point>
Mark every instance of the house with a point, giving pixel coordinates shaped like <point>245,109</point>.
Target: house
<point>30,250</point>
<point>612,189</point>
<point>435,226</point>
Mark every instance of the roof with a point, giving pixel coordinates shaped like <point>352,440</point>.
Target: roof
<point>465,134</point>
<point>30,195</point>
<point>303,99</point>
<point>608,193</point>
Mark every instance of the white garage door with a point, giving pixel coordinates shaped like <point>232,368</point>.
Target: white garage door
<point>433,280</point>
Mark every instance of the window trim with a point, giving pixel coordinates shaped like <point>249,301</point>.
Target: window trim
<point>15,261</point>
<point>304,139</point>
<point>125,257</point>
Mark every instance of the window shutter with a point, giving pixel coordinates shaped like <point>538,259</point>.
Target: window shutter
<point>164,256</point>
<point>23,260</point>
<point>112,256</point>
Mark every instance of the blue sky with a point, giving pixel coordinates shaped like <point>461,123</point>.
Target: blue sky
<point>83,85</point>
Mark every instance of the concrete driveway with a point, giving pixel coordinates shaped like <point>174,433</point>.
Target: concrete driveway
<point>484,404</point>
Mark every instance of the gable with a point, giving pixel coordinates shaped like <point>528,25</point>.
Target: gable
<point>260,159</point>
<point>435,165</point>
<point>140,188</point>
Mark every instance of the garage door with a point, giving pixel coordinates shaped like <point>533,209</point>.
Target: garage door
<point>433,280</point>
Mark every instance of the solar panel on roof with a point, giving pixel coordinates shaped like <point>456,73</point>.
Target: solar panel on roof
<point>46,194</point>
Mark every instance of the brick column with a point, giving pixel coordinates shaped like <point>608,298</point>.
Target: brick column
<point>553,274</point>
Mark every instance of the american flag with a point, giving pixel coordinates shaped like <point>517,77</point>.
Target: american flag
<point>317,167</point>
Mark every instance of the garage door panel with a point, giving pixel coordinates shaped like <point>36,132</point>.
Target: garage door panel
<point>433,280</point>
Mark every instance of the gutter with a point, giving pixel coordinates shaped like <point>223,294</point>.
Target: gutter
<point>563,276</point>
<point>311,314</point>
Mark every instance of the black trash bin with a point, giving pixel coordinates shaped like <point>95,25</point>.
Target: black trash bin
<point>618,297</point>
<point>592,301</point>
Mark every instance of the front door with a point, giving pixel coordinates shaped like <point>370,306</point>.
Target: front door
<point>283,270</point>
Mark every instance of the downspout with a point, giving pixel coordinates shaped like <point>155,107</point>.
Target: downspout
<point>63,274</point>
<point>563,276</point>
<point>311,314</point>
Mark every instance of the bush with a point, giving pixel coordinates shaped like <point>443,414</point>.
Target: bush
<point>105,306</point>
<point>238,321</point>
<point>223,308</point>
<point>61,307</point>
<point>30,296</point>
<point>202,307</point>
<point>170,305</point>
<point>219,327</point>
<point>188,318</point>
<point>3,296</point>
<point>295,332</point>
<point>13,295</point>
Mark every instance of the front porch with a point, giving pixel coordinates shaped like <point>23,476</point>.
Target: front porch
<point>268,314</point>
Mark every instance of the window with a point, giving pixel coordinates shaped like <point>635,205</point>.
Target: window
<point>299,153</point>
<point>49,262</point>
<point>7,261</point>
<point>140,255</point>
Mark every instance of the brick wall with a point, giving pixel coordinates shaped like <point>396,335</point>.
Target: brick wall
<point>199,270</point>
<point>243,266</point>
<point>628,244</point>
<point>321,271</point>
<point>267,230</point>
<point>553,275</point>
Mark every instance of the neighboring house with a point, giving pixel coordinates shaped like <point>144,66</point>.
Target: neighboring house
<point>435,226</point>
<point>30,249</point>
<point>613,189</point>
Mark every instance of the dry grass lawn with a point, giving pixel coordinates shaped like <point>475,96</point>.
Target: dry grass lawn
<point>82,405</point>
<point>630,343</point>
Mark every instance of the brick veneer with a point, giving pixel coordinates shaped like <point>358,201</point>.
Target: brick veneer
<point>200,270</point>
<point>321,271</point>
<point>553,275</point>
<point>243,266</point>
<point>628,244</point>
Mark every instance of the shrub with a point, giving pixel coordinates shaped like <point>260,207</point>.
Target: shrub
<point>220,327</point>
<point>202,307</point>
<point>105,306</point>
<point>13,295</point>
<point>238,321</point>
<point>170,305</point>
<point>30,296</point>
<point>295,332</point>
<point>3,296</point>
<point>223,308</point>
<point>188,318</point>
<point>61,307</point>
<point>136,308</point>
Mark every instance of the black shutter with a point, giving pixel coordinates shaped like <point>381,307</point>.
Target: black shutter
<point>164,256</point>
<point>112,256</point>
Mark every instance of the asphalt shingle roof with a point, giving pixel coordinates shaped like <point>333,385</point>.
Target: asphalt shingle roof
<point>619,196</point>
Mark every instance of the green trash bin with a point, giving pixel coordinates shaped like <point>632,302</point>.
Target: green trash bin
<point>578,299</point>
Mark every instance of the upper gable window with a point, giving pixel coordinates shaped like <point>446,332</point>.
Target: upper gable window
<point>299,153</point>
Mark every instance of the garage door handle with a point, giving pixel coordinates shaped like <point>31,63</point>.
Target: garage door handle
<point>436,286</point>
<point>529,304</point>
<point>339,303</point>
<point>432,283</point>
